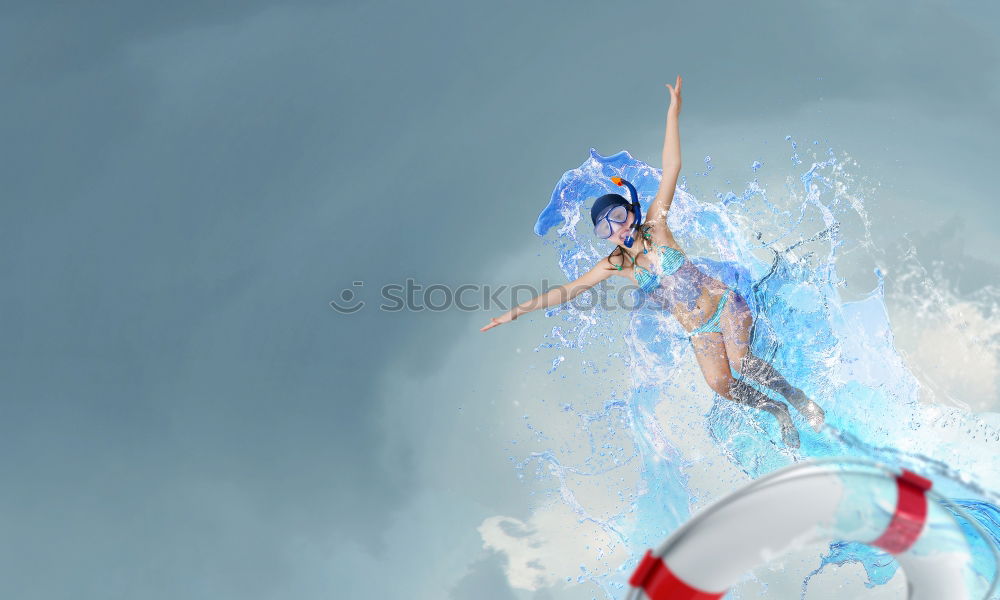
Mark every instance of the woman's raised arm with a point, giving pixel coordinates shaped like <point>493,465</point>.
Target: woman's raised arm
<point>671,159</point>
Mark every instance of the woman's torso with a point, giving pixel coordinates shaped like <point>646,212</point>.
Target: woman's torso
<point>671,281</point>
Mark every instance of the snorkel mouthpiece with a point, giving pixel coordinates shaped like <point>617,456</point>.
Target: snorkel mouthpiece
<point>636,209</point>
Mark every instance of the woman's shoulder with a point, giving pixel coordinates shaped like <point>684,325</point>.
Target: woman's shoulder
<point>660,236</point>
<point>607,263</point>
<point>616,265</point>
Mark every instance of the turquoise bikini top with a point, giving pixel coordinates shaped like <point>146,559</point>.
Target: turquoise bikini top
<point>671,260</point>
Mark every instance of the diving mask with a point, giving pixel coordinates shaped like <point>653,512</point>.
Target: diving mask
<point>604,227</point>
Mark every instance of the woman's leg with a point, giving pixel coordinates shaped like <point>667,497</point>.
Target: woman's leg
<point>736,323</point>
<point>710,350</point>
<point>766,374</point>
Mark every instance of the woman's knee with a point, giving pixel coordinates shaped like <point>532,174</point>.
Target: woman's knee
<point>722,386</point>
<point>749,364</point>
<point>737,366</point>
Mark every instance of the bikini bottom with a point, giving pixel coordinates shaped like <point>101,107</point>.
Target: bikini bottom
<point>712,324</point>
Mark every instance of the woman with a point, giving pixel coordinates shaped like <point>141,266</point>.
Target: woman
<point>717,318</point>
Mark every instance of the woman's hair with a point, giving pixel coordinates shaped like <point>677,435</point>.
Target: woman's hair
<point>643,230</point>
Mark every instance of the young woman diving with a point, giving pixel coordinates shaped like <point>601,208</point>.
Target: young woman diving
<point>717,319</point>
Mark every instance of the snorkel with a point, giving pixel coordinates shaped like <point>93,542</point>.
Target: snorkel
<point>636,209</point>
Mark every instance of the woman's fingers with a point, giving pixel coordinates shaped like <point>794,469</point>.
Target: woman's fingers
<point>676,88</point>
<point>675,92</point>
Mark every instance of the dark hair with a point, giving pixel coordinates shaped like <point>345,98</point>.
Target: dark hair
<point>643,230</point>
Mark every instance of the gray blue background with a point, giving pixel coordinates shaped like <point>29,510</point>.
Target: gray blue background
<point>187,185</point>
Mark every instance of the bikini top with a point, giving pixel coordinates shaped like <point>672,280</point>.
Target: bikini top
<point>670,261</point>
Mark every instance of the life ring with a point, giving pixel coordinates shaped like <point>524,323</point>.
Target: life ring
<point>816,501</point>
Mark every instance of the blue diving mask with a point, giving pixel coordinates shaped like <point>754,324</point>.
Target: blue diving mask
<point>606,221</point>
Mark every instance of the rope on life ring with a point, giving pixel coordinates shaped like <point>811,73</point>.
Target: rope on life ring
<point>818,501</point>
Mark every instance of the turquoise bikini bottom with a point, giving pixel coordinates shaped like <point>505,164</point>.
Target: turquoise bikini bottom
<point>712,324</point>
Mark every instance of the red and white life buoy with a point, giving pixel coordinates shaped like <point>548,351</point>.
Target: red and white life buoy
<point>818,501</point>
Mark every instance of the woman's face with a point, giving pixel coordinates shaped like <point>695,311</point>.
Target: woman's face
<point>621,231</point>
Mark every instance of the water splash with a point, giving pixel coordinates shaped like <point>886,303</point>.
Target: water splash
<point>783,260</point>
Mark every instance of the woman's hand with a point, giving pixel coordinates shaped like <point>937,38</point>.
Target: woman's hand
<point>504,318</point>
<point>675,95</point>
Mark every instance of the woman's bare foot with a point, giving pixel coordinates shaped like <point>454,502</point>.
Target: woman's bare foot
<point>789,434</point>
<point>812,412</point>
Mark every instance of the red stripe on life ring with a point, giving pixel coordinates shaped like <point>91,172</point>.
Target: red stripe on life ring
<point>659,583</point>
<point>911,513</point>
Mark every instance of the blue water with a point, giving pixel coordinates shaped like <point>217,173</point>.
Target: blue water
<point>782,258</point>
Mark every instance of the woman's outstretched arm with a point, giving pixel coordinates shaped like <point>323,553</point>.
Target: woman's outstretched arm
<point>671,160</point>
<point>557,295</point>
